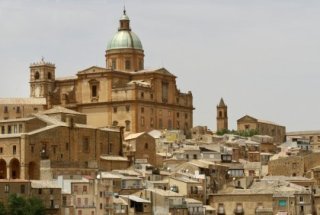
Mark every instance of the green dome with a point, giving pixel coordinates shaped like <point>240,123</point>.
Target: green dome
<point>124,40</point>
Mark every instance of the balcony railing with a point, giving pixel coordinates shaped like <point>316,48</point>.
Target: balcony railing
<point>177,206</point>
<point>85,206</point>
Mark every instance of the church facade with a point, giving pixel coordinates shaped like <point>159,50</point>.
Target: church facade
<point>123,93</point>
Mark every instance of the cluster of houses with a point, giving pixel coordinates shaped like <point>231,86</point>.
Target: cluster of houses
<point>80,169</point>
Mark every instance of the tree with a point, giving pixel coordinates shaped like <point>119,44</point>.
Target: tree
<point>17,205</point>
<point>35,206</point>
<point>3,210</point>
<point>21,206</point>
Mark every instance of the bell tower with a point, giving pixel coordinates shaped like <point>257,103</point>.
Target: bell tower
<point>222,116</point>
<point>42,76</point>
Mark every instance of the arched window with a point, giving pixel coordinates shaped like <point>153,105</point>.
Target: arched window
<point>220,113</point>
<point>36,75</point>
<point>146,146</point>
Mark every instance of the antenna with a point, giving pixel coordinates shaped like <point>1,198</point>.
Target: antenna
<point>124,7</point>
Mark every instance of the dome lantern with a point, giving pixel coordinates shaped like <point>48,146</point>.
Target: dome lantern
<point>124,50</point>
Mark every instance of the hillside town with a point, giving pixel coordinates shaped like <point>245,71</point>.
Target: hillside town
<point>120,140</point>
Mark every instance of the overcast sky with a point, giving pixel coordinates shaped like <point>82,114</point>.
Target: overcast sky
<point>262,57</point>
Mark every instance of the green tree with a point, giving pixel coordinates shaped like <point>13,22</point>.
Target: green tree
<point>21,206</point>
<point>3,210</point>
<point>17,205</point>
<point>35,206</point>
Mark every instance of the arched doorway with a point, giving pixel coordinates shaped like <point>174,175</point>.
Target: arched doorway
<point>14,169</point>
<point>3,169</point>
<point>33,171</point>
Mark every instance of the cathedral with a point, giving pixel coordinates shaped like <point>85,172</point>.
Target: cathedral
<point>123,93</point>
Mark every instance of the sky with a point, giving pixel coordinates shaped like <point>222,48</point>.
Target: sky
<point>261,56</point>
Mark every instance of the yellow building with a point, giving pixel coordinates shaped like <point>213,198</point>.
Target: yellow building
<point>59,135</point>
<point>123,93</point>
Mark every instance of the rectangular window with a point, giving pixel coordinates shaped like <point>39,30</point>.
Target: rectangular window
<point>84,188</point>
<point>14,150</point>
<point>85,144</point>
<point>75,188</point>
<point>301,198</point>
<point>128,65</point>
<point>94,90</point>
<point>165,91</point>
<point>1,150</point>
<point>22,188</point>
<point>3,130</point>
<point>127,108</point>
<point>51,203</point>
<point>114,63</point>
<point>40,191</point>
<point>115,109</point>
<point>140,64</point>
<point>9,129</point>
<point>67,146</point>
<point>7,188</point>
<point>142,110</point>
<point>64,200</point>
<point>20,128</point>
<point>160,123</point>
<point>5,109</point>
<point>15,129</point>
<point>282,203</point>
<point>110,148</point>
<point>18,109</point>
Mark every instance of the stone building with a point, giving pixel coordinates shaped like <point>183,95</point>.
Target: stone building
<point>141,146</point>
<point>59,135</point>
<point>312,136</point>
<point>123,93</point>
<point>48,191</point>
<point>294,165</point>
<point>262,127</point>
<point>265,198</point>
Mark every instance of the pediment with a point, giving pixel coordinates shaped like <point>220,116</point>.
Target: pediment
<point>247,118</point>
<point>164,71</point>
<point>92,70</point>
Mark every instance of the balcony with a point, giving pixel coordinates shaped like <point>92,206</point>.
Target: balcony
<point>108,206</point>
<point>106,193</point>
<point>178,206</point>
<point>86,206</point>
